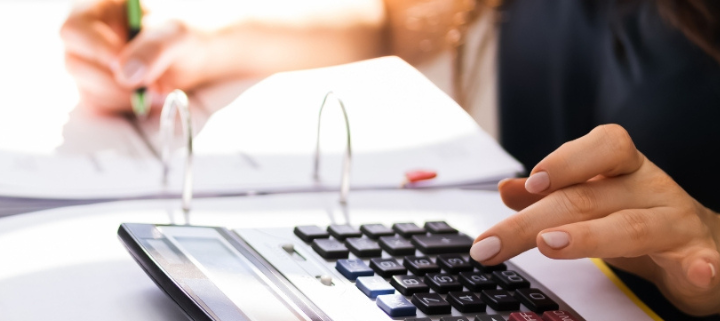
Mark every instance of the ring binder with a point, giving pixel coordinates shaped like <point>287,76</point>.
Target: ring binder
<point>177,101</point>
<point>345,178</point>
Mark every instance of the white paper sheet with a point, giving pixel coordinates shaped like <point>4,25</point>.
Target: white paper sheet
<point>264,142</point>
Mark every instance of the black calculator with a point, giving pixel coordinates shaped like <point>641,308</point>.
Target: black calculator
<point>406,271</point>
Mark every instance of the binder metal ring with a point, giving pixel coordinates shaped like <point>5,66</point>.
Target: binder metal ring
<point>345,178</point>
<point>176,102</point>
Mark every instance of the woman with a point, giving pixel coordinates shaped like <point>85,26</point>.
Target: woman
<point>651,67</point>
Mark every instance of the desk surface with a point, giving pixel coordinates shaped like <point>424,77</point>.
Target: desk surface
<point>67,264</point>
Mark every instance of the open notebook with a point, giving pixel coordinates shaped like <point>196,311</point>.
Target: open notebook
<point>264,142</point>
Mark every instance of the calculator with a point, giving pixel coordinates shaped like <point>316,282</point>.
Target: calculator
<point>405,271</point>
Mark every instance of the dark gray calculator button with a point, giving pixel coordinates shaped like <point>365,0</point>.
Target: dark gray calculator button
<point>418,319</point>
<point>420,265</point>
<point>363,247</point>
<point>442,243</point>
<point>466,302</point>
<point>499,300</point>
<point>408,229</point>
<point>439,227</point>
<point>453,263</point>
<point>431,303</point>
<point>488,268</point>
<point>443,282</point>
<point>510,280</point>
<point>308,233</point>
<point>453,319</point>
<point>397,245</point>
<point>387,267</point>
<point>535,300</point>
<point>494,317</point>
<point>375,231</point>
<point>330,249</point>
<point>409,284</point>
<point>477,281</point>
<point>341,232</point>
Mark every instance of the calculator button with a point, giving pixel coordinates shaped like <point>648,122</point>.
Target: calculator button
<point>373,286</point>
<point>341,232</point>
<point>439,227</point>
<point>308,233</point>
<point>453,319</point>
<point>409,284</point>
<point>524,316</point>
<point>330,249</point>
<point>510,280</point>
<point>488,268</point>
<point>375,231</point>
<point>535,300</point>
<point>499,300</point>
<point>387,267</point>
<point>477,281</point>
<point>453,263</point>
<point>395,305</point>
<point>397,245</point>
<point>407,230</point>
<point>363,247</point>
<point>418,319</point>
<point>443,282</point>
<point>420,265</point>
<point>431,303</point>
<point>352,269</point>
<point>494,317</point>
<point>442,243</point>
<point>466,302</point>
<point>558,315</point>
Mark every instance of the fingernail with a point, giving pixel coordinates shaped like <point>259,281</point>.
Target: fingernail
<point>485,249</point>
<point>537,182</point>
<point>712,269</point>
<point>556,239</point>
<point>134,71</point>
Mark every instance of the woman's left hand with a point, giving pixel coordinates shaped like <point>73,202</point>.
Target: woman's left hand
<point>598,196</point>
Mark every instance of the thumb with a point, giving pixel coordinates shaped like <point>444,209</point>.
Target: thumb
<point>150,54</point>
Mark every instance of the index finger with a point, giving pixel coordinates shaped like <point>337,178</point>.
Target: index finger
<point>607,150</point>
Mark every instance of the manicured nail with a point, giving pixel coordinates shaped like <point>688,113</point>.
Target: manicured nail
<point>134,71</point>
<point>556,239</point>
<point>537,182</point>
<point>485,249</point>
<point>712,269</point>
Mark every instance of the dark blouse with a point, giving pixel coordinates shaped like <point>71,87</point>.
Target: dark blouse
<point>566,66</point>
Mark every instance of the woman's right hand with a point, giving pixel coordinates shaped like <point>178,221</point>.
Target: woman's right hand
<point>107,68</point>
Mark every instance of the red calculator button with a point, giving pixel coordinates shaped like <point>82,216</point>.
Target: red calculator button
<point>558,315</point>
<point>524,316</point>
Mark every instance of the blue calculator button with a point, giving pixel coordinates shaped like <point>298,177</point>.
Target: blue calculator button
<point>396,305</point>
<point>353,268</point>
<point>373,286</point>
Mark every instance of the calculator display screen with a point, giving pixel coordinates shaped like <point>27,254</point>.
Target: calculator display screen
<point>234,288</point>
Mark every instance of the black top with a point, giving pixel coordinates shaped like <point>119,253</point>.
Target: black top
<point>566,66</point>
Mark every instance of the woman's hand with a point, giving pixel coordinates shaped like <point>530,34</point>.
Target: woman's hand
<point>598,196</point>
<point>107,68</point>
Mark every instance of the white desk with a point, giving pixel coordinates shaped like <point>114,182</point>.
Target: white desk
<point>67,264</point>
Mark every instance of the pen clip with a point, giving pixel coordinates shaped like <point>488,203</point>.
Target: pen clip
<point>345,178</point>
<point>177,101</point>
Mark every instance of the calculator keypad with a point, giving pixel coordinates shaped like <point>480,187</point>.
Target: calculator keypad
<point>430,269</point>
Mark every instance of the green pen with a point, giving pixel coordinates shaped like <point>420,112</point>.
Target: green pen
<point>140,100</point>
